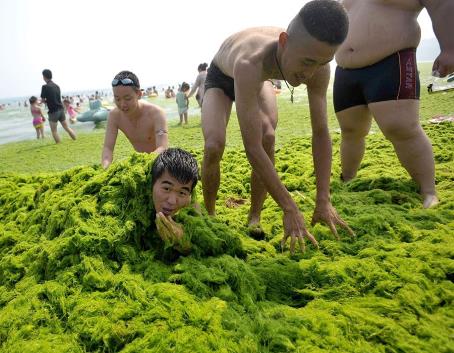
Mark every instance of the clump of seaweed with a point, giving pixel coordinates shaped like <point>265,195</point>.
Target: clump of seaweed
<point>83,270</point>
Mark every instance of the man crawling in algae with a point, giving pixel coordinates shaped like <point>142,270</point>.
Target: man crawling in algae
<point>143,123</point>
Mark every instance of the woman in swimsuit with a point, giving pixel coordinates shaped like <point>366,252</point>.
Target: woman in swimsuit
<point>38,117</point>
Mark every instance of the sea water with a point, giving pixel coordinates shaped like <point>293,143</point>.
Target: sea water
<point>16,119</point>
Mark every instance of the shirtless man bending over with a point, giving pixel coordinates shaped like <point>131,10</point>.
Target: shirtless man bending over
<point>240,72</point>
<point>377,76</point>
<point>143,123</point>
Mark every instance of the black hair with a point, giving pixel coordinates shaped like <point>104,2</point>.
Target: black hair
<point>47,74</point>
<point>184,86</point>
<point>202,67</point>
<point>325,20</point>
<point>128,74</point>
<point>32,99</point>
<point>179,163</point>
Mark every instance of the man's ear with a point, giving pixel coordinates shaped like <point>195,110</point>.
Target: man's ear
<point>283,39</point>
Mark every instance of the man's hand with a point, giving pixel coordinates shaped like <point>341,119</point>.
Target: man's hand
<point>172,232</point>
<point>295,228</point>
<point>443,65</point>
<point>325,213</point>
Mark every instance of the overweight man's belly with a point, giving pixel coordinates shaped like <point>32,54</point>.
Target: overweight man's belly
<point>373,36</point>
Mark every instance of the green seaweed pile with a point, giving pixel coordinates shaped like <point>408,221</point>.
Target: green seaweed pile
<point>83,270</point>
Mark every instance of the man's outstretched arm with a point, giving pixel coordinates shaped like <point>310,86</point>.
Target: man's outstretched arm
<point>247,86</point>
<point>109,141</point>
<point>441,12</point>
<point>322,151</point>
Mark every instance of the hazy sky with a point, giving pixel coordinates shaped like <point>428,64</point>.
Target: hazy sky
<point>86,42</point>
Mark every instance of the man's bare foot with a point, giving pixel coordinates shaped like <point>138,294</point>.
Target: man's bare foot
<point>430,201</point>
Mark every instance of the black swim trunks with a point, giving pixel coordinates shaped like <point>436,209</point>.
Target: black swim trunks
<point>393,78</point>
<point>217,79</point>
<point>57,116</point>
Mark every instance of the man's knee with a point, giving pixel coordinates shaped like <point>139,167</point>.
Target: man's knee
<point>268,140</point>
<point>353,132</point>
<point>399,132</point>
<point>214,149</point>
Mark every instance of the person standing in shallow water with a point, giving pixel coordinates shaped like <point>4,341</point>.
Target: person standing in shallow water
<point>143,123</point>
<point>51,95</point>
<point>377,76</point>
<point>183,102</point>
<point>240,72</point>
<point>38,117</point>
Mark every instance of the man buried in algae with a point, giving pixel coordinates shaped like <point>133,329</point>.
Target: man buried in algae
<point>174,176</point>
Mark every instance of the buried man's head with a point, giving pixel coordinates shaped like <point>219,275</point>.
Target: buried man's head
<point>174,175</point>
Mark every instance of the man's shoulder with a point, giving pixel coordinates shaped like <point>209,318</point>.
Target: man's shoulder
<point>51,85</point>
<point>151,110</point>
<point>115,115</point>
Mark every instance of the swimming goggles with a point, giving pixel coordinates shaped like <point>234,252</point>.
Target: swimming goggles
<point>123,82</point>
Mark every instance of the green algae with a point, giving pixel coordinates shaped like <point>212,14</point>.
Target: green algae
<point>83,270</point>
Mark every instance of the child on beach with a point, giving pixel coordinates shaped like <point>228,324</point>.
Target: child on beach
<point>183,102</point>
<point>143,123</point>
<point>38,117</point>
<point>71,111</point>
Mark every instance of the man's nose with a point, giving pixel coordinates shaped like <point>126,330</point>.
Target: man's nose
<point>172,199</point>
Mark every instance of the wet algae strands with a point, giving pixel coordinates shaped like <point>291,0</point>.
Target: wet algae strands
<point>82,269</point>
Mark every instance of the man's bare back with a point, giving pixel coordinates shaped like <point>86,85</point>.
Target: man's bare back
<point>377,29</point>
<point>252,44</point>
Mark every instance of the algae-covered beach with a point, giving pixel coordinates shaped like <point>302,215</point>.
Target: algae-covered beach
<point>82,269</point>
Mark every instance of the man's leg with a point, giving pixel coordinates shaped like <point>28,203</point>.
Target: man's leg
<point>355,125</point>
<point>53,129</point>
<point>216,110</point>
<point>399,122</point>
<point>68,129</point>
<point>268,111</point>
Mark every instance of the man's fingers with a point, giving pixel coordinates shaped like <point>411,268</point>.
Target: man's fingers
<point>162,231</point>
<point>333,229</point>
<point>311,238</point>
<point>344,225</point>
<point>302,244</point>
<point>349,230</point>
<point>292,244</point>
<point>168,225</point>
<point>283,241</point>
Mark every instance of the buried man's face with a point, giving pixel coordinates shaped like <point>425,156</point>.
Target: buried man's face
<point>169,195</point>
